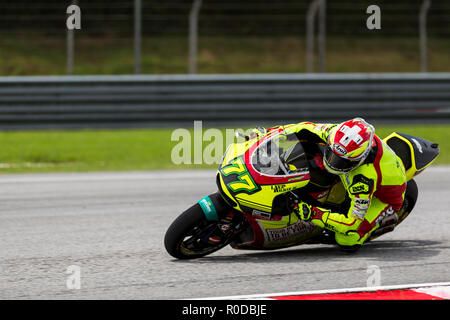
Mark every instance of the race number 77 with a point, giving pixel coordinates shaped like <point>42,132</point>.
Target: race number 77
<point>244,180</point>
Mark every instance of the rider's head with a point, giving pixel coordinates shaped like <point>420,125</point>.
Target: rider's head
<point>349,144</point>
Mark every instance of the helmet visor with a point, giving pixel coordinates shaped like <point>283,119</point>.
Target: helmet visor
<point>338,163</point>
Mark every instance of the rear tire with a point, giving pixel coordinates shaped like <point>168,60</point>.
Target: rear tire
<point>408,205</point>
<point>411,195</point>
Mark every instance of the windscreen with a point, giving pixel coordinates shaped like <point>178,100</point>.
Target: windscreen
<point>280,155</point>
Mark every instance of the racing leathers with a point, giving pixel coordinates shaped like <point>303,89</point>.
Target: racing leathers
<point>376,190</point>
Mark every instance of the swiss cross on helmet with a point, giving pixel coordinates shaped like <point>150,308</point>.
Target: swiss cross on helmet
<point>348,146</point>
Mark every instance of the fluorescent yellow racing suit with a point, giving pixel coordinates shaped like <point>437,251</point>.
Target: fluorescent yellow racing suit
<point>376,190</point>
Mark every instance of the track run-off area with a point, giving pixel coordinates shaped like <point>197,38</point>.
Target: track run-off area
<point>100,236</point>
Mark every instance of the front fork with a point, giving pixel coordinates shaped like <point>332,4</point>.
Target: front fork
<point>230,223</point>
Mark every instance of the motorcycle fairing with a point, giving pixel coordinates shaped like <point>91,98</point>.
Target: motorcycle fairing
<point>275,234</point>
<point>241,180</point>
<point>415,153</point>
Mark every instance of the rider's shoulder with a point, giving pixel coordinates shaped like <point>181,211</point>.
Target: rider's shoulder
<point>365,173</point>
<point>360,182</point>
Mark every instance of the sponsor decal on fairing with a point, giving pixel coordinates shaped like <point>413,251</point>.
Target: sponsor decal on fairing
<point>289,232</point>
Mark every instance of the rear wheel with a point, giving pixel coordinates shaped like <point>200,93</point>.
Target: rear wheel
<point>411,195</point>
<point>408,205</point>
<point>191,235</point>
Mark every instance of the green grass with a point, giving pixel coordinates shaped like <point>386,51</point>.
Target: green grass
<point>84,150</point>
<point>121,150</point>
<point>36,55</point>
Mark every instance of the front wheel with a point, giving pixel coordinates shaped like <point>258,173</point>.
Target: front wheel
<point>191,235</point>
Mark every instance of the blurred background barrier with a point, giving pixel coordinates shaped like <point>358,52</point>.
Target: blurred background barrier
<point>223,62</point>
<point>220,100</point>
<point>223,36</point>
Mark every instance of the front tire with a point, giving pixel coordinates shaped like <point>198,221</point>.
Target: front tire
<point>192,236</point>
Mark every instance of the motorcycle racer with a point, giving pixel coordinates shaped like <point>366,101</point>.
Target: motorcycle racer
<point>291,184</point>
<point>371,173</point>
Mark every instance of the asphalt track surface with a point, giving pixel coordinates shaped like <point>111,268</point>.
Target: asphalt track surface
<point>112,226</point>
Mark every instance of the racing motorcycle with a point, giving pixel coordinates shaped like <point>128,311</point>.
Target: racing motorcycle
<point>257,181</point>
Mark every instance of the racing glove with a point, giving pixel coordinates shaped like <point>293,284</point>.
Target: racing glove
<point>307,212</point>
<point>303,210</point>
